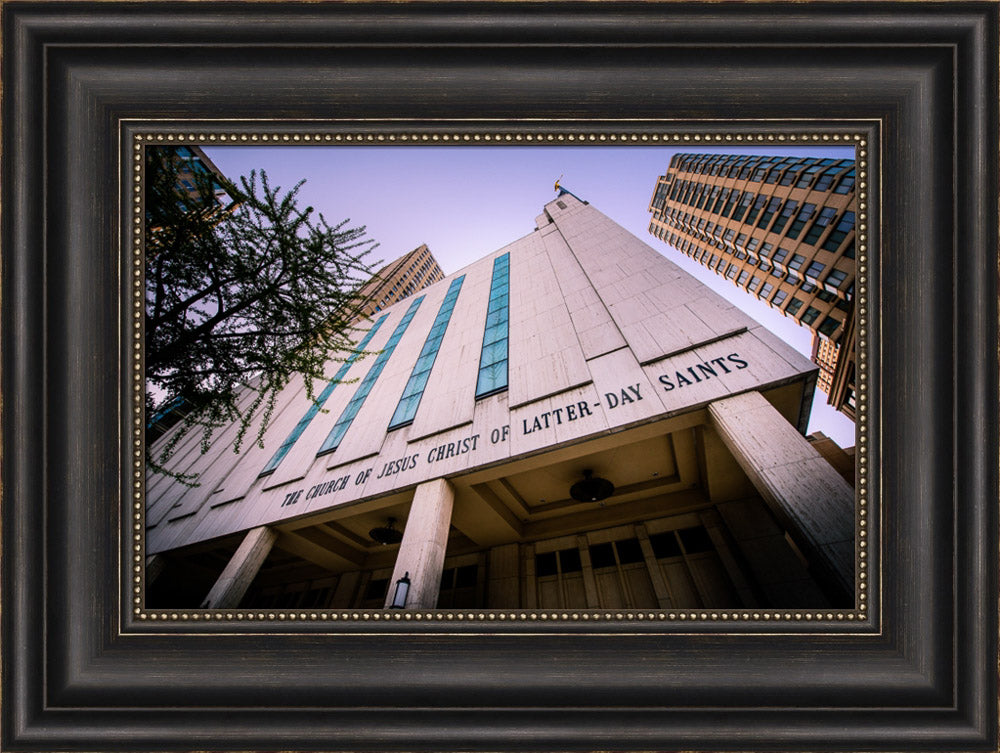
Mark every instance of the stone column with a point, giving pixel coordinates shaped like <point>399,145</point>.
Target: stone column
<point>504,587</point>
<point>345,592</point>
<point>589,582</point>
<point>660,588</point>
<point>716,532</point>
<point>231,586</point>
<point>809,498</point>
<point>154,566</point>
<point>425,538</point>
<point>529,584</point>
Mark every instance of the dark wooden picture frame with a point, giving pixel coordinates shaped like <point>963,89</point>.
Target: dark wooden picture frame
<point>919,672</point>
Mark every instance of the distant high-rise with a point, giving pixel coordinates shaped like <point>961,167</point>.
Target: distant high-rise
<point>192,165</point>
<point>398,279</point>
<point>824,355</point>
<point>200,180</point>
<point>781,228</point>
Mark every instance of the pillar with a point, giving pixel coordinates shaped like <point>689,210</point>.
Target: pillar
<point>504,587</point>
<point>529,584</point>
<point>809,498</point>
<point>589,582</point>
<point>425,539</point>
<point>716,532</point>
<point>232,585</point>
<point>660,588</point>
<point>154,566</point>
<point>344,595</point>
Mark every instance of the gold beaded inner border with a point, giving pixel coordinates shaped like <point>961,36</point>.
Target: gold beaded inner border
<point>150,137</point>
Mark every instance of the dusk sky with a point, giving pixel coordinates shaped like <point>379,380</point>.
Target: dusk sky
<point>467,201</point>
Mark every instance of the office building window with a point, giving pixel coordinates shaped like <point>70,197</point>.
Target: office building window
<point>846,183</point>
<point>810,316</point>
<point>721,201</point>
<point>757,206</point>
<point>775,173</point>
<point>772,207</point>
<point>493,359</point>
<point>805,214</point>
<point>300,427</point>
<point>793,306</point>
<point>844,226</point>
<point>807,176</point>
<point>829,326</point>
<point>791,174</point>
<point>786,214</point>
<point>351,411</point>
<point>814,270</point>
<point>730,200</point>
<point>826,216</point>
<point>714,197</point>
<point>660,196</point>
<point>834,280</point>
<point>826,178</point>
<point>744,204</point>
<point>414,389</point>
<point>703,193</point>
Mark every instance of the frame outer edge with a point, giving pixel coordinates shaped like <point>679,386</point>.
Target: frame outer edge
<point>24,403</point>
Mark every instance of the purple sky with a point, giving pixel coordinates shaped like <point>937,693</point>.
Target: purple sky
<point>467,201</point>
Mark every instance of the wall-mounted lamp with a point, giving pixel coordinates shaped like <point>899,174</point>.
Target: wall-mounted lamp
<point>402,591</point>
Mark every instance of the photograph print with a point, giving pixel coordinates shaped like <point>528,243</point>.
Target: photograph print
<point>506,377</point>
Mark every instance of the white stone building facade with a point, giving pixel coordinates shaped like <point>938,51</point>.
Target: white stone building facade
<point>485,397</point>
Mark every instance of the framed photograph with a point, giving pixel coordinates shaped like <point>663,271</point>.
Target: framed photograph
<point>550,480</point>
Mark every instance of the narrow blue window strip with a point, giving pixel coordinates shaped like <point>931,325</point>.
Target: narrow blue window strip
<point>414,390</point>
<point>493,360</point>
<point>351,411</point>
<point>300,427</point>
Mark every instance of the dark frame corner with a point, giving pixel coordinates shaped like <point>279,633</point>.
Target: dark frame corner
<point>920,677</point>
